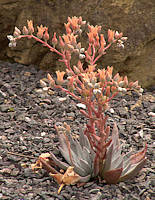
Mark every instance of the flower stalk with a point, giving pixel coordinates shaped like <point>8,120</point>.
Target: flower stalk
<point>96,153</point>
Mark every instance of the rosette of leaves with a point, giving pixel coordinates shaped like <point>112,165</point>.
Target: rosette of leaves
<point>77,152</point>
<point>117,167</point>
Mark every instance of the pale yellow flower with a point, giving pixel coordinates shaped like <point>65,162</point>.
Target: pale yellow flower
<point>60,76</point>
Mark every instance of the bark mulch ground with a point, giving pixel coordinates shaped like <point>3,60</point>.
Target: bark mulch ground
<point>27,118</point>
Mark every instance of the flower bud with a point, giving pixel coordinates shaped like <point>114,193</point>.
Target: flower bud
<point>43,84</point>
<point>10,37</point>
<point>108,77</point>
<point>41,30</point>
<point>12,44</point>
<point>108,91</point>
<point>121,83</point>
<point>135,84</point>
<point>70,47</point>
<point>126,81</point>
<point>97,91</point>
<point>25,30</point>
<point>81,56</point>
<point>54,39</point>
<point>113,89</point>
<point>141,90</point>
<point>119,89</point>
<point>83,22</point>
<point>97,85</point>
<point>116,77</point>
<point>82,50</point>
<point>61,43</point>
<point>90,85</point>
<point>69,73</point>
<point>17,32</point>
<point>60,76</point>
<point>46,35</point>
<point>124,38</point>
<point>124,90</point>
<point>30,26</point>
<point>110,35</point>
<point>51,80</point>
<point>118,35</point>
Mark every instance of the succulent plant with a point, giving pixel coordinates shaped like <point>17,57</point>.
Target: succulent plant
<point>77,152</point>
<point>116,167</point>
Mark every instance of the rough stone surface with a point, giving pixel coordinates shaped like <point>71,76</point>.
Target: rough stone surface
<point>133,18</point>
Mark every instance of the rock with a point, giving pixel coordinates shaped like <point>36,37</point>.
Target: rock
<point>46,140</point>
<point>133,18</point>
<point>4,108</point>
<point>81,105</point>
<point>123,111</point>
<point>5,171</point>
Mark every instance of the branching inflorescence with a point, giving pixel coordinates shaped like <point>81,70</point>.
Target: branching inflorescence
<point>96,153</point>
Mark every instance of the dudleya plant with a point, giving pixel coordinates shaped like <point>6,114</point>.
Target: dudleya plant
<point>96,153</point>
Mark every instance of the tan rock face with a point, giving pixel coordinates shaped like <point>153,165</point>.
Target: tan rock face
<point>133,18</point>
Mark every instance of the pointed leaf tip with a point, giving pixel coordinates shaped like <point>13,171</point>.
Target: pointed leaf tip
<point>138,156</point>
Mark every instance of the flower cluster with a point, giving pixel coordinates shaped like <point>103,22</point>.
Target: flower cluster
<point>96,153</point>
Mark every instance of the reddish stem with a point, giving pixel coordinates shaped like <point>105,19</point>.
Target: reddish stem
<point>100,55</point>
<point>93,56</point>
<point>68,92</point>
<point>41,41</point>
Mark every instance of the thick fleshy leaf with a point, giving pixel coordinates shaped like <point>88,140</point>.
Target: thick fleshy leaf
<point>87,155</point>
<point>83,140</point>
<point>112,176</point>
<point>81,156</point>
<point>126,168</point>
<point>79,149</point>
<point>133,170</point>
<point>61,164</point>
<point>138,156</point>
<point>65,154</point>
<point>85,166</point>
<point>126,157</point>
<point>115,136</point>
<point>116,154</point>
<point>64,148</point>
<point>117,163</point>
<point>108,158</point>
<point>79,170</point>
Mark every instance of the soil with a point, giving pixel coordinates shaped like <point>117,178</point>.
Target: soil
<point>27,118</point>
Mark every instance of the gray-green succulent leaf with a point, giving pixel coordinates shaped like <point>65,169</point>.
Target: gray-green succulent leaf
<point>80,155</point>
<point>118,166</point>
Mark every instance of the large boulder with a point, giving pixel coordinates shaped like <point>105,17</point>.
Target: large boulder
<point>133,18</point>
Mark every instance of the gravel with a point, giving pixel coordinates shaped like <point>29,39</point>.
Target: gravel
<point>27,118</point>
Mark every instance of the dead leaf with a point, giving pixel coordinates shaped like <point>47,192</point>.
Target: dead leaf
<point>38,165</point>
<point>57,177</point>
<point>68,178</point>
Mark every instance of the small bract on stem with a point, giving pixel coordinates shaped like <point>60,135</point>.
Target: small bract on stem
<point>95,153</point>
